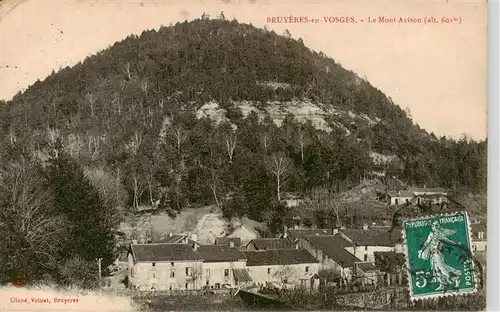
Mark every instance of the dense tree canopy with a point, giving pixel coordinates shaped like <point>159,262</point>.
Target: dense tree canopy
<point>132,110</point>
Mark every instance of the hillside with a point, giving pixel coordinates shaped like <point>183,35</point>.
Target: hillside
<point>214,112</point>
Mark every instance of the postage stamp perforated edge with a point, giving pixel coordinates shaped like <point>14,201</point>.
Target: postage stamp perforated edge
<point>407,259</point>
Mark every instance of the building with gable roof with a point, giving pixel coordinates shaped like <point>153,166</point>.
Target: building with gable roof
<point>228,241</point>
<point>417,195</point>
<point>399,197</point>
<point>295,234</point>
<point>269,244</point>
<point>283,267</point>
<point>223,265</point>
<point>163,266</point>
<point>330,252</point>
<point>365,242</point>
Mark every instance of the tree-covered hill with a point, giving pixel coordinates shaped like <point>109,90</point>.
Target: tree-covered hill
<point>218,112</point>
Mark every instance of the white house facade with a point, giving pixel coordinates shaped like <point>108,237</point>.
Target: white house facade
<point>329,251</point>
<point>287,267</point>
<point>223,266</point>
<point>163,267</point>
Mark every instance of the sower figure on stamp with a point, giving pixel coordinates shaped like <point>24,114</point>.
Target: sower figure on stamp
<point>431,250</point>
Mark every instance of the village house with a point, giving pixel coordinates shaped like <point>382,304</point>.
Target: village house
<point>172,239</point>
<point>429,195</point>
<point>399,197</point>
<point>330,252</point>
<point>478,235</point>
<point>417,196</point>
<point>292,200</point>
<point>228,241</point>
<point>163,267</point>
<point>223,266</point>
<point>365,242</point>
<point>295,234</point>
<point>180,239</point>
<point>269,243</point>
<point>289,268</point>
<point>367,273</point>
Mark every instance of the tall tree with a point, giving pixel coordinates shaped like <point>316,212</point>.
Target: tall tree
<point>32,231</point>
<point>280,166</point>
<point>91,222</point>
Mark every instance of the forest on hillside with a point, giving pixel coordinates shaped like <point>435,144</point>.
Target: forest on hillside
<point>126,118</point>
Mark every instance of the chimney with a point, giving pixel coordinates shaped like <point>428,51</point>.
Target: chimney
<point>134,242</point>
<point>296,246</point>
<point>195,246</point>
<point>170,234</point>
<point>335,231</point>
<point>185,240</point>
<point>365,226</point>
<point>194,237</point>
<point>231,244</point>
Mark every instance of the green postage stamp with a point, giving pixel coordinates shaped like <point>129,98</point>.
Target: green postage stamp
<point>439,255</point>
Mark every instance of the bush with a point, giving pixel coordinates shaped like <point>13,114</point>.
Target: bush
<point>80,273</point>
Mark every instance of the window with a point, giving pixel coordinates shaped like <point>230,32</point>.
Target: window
<point>188,271</point>
<point>207,283</point>
<point>226,272</point>
<point>268,271</point>
<point>154,263</point>
<point>474,247</point>
<point>154,275</point>
<point>307,269</point>
<point>132,272</point>
<point>396,201</point>
<point>172,274</point>
<point>366,258</point>
<point>217,285</point>
<point>207,272</point>
<point>186,286</point>
<point>366,247</point>
<point>171,264</point>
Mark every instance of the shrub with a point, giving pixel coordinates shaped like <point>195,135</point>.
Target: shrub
<point>80,273</point>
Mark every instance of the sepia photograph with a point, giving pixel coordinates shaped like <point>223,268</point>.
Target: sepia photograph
<point>243,155</point>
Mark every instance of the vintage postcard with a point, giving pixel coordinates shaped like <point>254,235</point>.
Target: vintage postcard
<point>243,155</point>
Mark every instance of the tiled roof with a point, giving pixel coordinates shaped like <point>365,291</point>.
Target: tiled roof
<point>241,275</point>
<point>219,253</point>
<point>174,239</point>
<point>163,252</point>
<point>227,240</point>
<point>367,266</point>
<point>295,234</point>
<point>334,247</point>
<point>271,243</point>
<point>372,237</point>
<point>278,257</point>
<point>428,190</point>
<point>400,194</point>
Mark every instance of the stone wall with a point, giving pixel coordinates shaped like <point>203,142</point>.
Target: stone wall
<point>392,297</point>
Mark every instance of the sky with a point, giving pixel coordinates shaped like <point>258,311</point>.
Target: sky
<point>437,71</point>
